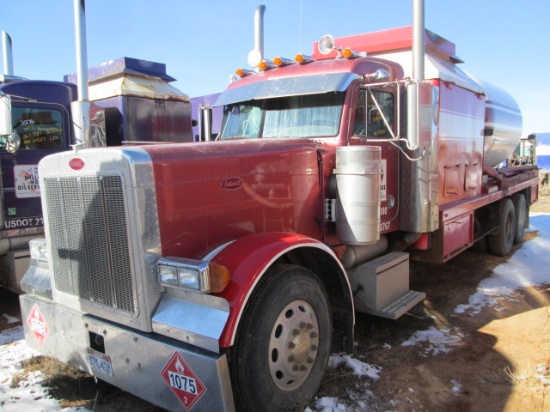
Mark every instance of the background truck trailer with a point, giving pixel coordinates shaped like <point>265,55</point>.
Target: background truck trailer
<point>132,102</point>
<point>221,274</point>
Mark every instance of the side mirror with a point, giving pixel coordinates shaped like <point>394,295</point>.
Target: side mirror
<point>13,142</point>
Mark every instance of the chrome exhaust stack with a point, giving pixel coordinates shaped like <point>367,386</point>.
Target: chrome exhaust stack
<point>7,54</point>
<point>259,29</point>
<point>81,108</point>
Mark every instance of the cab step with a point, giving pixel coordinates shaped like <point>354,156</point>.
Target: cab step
<point>400,306</point>
<point>381,286</point>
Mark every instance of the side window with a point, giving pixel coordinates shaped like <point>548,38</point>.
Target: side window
<point>360,119</point>
<point>241,120</point>
<point>368,121</point>
<point>39,128</point>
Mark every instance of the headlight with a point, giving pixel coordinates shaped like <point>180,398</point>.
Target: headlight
<point>186,273</point>
<point>168,275</point>
<point>191,278</point>
<point>39,249</point>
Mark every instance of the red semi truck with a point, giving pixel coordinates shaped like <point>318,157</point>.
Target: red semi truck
<point>221,275</point>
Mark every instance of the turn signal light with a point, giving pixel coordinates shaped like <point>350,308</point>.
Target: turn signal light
<point>219,277</point>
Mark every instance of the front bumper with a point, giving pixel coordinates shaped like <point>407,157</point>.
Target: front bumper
<point>163,371</point>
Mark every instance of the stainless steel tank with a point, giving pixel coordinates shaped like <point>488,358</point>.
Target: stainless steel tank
<point>358,173</point>
<point>503,124</point>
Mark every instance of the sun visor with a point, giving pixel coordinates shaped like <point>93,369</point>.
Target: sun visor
<point>289,86</point>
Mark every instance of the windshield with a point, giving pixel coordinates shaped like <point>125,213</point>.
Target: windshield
<point>39,128</point>
<point>293,116</point>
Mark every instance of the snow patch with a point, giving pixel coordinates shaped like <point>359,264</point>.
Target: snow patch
<point>527,267</point>
<point>436,341</point>
<point>30,395</point>
<point>358,367</point>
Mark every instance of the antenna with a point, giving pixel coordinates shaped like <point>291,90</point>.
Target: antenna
<point>301,20</point>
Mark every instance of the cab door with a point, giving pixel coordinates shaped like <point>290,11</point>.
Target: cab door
<point>374,123</point>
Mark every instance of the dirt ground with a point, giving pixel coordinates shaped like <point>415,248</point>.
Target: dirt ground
<point>494,368</point>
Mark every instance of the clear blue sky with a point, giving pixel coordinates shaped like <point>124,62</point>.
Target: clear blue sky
<point>202,42</point>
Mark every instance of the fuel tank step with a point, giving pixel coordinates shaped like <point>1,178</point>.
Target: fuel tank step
<point>381,286</point>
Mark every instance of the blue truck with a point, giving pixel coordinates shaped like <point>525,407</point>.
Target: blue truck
<point>131,102</point>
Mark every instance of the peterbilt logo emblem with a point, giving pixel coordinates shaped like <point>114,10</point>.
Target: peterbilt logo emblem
<point>232,183</point>
<point>76,163</point>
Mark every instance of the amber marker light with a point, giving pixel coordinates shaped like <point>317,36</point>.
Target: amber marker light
<point>243,72</point>
<point>219,277</point>
<point>281,61</point>
<point>350,54</point>
<point>266,65</point>
<point>303,59</point>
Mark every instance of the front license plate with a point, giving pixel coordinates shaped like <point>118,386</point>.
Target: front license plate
<point>100,362</point>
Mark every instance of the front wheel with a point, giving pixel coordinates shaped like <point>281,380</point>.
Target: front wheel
<point>284,342</point>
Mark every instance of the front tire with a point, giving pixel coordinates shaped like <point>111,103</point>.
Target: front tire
<point>284,342</point>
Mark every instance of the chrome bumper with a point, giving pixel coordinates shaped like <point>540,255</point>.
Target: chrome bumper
<point>163,371</point>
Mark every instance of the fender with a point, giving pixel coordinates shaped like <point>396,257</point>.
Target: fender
<point>249,258</point>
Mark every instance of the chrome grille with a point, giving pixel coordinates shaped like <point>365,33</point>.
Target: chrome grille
<point>89,238</point>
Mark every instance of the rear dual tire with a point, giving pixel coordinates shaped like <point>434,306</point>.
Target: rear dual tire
<point>501,243</point>
<point>522,216</point>
<point>512,222</point>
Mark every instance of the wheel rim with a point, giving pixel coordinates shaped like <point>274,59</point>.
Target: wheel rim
<point>293,345</point>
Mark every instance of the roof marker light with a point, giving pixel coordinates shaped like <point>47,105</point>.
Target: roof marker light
<point>243,72</point>
<point>281,61</point>
<point>350,54</point>
<point>266,65</point>
<point>303,58</point>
